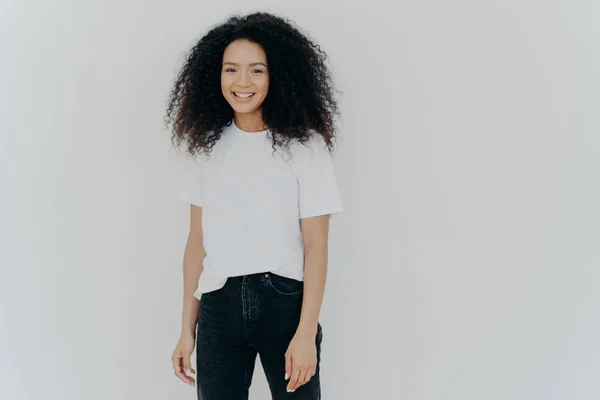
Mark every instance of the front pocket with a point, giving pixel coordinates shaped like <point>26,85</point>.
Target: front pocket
<point>285,286</point>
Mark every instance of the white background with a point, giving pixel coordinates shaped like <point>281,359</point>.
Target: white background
<point>465,265</point>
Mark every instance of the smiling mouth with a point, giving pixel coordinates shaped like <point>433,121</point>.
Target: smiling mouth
<point>243,95</point>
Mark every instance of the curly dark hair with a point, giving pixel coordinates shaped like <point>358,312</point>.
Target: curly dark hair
<point>300,100</point>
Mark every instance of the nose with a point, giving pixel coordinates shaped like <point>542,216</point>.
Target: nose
<point>242,79</point>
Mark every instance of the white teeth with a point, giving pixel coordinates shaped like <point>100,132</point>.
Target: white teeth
<point>243,94</point>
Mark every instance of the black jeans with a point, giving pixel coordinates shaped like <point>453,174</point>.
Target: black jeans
<point>250,315</point>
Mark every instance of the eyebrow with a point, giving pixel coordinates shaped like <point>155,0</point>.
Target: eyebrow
<point>251,64</point>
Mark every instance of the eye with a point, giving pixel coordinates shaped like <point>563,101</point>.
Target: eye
<point>230,70</point>
<point>258,71</point>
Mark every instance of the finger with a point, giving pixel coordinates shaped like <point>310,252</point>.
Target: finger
<point>288,366</point>
<point>187,367</point>
<point>293,383</point>
<point>178,367</point>
<point>304,377</point>
<point>300,380</point>
<point>310,374</point>
<point>186,362</point>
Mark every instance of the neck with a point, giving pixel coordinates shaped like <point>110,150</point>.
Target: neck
<point>251,122</point>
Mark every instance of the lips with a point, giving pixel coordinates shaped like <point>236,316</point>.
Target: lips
<point>242,95</point>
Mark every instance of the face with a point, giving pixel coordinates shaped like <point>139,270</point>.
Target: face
<point>245,76</point>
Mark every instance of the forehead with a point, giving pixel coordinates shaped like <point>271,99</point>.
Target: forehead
<point>243,51</point>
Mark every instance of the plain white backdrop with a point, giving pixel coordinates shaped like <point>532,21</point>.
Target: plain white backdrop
<point>466,263</point>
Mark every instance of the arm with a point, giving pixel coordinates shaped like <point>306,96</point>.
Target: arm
<point>315,232</point>
<point>301,357</point>
<point>192,268</point>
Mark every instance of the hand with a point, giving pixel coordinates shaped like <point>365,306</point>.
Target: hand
<point>181,358</point>
<point>300,360</point>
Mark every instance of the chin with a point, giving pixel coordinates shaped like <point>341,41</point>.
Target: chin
<point>244,110</point>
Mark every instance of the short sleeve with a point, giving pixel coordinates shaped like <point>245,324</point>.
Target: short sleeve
<point>192,180</point>
<point>318,192</point>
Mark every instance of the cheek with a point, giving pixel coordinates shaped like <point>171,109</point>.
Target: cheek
<point>226,82</point>
<point>263,85</point>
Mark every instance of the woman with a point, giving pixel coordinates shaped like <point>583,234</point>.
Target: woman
<point>254,106</point>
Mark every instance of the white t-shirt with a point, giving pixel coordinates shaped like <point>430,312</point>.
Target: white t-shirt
<point>252,201</point>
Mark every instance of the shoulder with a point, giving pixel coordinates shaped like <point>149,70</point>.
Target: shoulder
<point>314,146</point>
<point>312,154</point>
<point>203,155</point>
<point>198,158</point>
<point>195,163</point>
